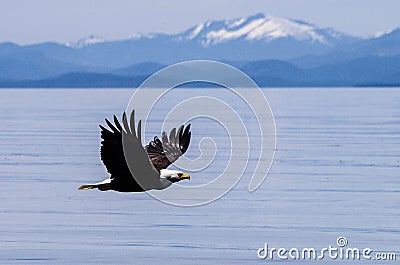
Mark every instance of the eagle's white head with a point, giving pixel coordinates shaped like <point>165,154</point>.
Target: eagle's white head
<point>167,177</point>
<point>173,175</point>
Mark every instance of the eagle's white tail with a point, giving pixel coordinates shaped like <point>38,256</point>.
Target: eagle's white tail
<point>104,185</point>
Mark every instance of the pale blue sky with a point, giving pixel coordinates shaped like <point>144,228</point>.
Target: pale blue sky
<point>27,21</point>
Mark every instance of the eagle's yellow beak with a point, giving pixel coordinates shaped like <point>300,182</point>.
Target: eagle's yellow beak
<point>185,176</point>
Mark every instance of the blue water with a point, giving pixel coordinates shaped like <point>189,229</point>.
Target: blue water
<point>336,173</point>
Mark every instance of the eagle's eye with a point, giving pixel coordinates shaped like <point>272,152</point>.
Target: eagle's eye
<point>180,174</point>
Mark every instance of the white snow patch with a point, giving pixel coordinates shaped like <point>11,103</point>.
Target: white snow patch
<point>382,33</point>
<point>268,28</point>
<point>235,23</point>
<point>215,37</point>
<point>196,32</point>
<point>139,35</point>
<point>93,39</point>
<point>275,28</point>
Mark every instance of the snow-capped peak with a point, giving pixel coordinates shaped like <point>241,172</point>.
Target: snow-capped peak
<point>93,39</point>
<point>257,27</point>
<point>140,35</point>
<point>382,33</point>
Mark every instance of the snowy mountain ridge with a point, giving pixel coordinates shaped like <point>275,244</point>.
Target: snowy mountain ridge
<point>258,27</point>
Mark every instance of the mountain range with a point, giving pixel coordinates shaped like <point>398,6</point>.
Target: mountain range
<point>275,51</point>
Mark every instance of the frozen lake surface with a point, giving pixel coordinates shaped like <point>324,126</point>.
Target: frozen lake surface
<point>336,173</point>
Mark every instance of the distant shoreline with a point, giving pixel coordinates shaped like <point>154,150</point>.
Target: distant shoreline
<point>395,86</point>
<point>99,80</point>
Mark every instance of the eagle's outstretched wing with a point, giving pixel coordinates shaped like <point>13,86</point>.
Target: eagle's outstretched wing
<point>164,152</point>
<point>129,167</point>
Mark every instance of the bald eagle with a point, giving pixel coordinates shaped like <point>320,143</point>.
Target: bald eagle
<point>134,168</point>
